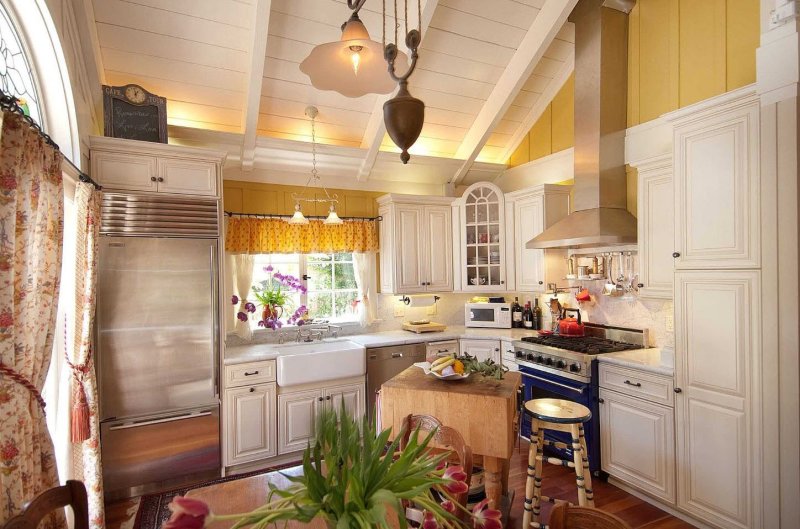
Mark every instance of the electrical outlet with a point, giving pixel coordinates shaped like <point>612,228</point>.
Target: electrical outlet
<point>399,310</point>
<point>669,322</point>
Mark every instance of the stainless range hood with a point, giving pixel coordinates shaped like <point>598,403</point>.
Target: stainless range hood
<point>599,217</point>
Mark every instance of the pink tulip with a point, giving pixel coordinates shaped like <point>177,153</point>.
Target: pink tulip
<point>486,518</point>
<point>457,479</point>
<point>234,299</point>
<point>187,513</point>
<point>449,506</point>
<point>429,521</point>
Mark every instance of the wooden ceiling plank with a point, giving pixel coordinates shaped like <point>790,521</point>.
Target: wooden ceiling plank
<point>255,76</point>
<point>548,22</point>
<point>376,128</point>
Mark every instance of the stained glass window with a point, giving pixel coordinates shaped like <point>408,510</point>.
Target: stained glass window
<point>16,76</point>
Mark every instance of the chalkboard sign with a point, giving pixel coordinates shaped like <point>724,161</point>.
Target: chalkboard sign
<point>133,113</point>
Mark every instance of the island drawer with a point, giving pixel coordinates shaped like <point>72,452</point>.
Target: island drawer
<point>648,386</point>
<point>443,348</point>
<point>249,373</point>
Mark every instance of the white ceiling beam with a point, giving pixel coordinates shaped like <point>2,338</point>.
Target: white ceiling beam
<point>255,80</point>
<point>543,30</point>
<point>550,91</point>
<point>376,128</point>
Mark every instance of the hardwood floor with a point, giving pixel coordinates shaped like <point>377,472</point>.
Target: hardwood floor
<point>557,481</point>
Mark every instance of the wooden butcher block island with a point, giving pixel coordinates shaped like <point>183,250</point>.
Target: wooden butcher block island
<point>482,409</point>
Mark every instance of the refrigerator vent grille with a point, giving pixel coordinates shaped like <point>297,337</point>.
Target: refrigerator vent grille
<point>131,214</point>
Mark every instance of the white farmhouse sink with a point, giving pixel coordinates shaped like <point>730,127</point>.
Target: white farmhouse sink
<point>306,363</point>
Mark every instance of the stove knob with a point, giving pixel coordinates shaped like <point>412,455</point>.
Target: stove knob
<point>549,361</point>
<point>539,359</point>
<point>519,354</point>
<point>575,368</point>
<point>529,356</point>
<point>561,364</point>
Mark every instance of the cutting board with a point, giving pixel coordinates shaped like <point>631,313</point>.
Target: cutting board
<point>425,327</point>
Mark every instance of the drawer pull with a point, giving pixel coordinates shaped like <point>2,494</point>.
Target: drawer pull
<point>677,390</point>
<point>634,384</point>
<point>440,351</point>
<point>250,373</point>
<point>397,355</point>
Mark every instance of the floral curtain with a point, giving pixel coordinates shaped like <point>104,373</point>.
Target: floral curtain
<point>364,266</point>
<point>85,427</point>
<point>242,281</point>
<point>31,230</point>
<point>251,235</point>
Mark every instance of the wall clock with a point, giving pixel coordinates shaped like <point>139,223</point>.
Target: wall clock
<point>133,113</point>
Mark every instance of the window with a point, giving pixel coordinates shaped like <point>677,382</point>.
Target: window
<point>329,278</point>
<point>16,76</point>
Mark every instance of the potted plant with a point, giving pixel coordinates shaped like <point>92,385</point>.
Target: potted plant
<point>354,479</point>
<point>275,297</point>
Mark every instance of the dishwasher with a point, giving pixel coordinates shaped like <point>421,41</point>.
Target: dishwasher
<point>383,363</point>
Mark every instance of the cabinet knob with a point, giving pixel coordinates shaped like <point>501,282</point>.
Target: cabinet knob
<point>153,178</point>
<point>678,390</point>
<point>502,282</point>
<point>496,349</point>
<point>160,179</point>
<point>541,282</point>
<point>328,397</point>
<point>320,399</point>
<point>676,254</point>
<point>640,285</point>
<point>252,390</point>
<point>601,400</point>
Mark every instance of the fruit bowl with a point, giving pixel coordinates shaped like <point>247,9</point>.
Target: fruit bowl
<point>426,367</point>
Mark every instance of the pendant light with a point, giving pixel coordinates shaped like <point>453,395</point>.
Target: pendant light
<point>404,114</point>
<point>298,217</point>
<point>353,65</point>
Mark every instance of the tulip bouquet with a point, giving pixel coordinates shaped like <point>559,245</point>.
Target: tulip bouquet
<point>275,297</point>
<point>353,481</point>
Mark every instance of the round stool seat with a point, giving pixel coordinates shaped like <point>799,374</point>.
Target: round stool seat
<point>558,411</point>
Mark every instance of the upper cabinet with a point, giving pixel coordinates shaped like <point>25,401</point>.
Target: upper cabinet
<point>482,238</point>
<point>416,244</point>
<point>717,185</point>
<point>656,227</point>
<point>131,165</point>
<point>532,211</point>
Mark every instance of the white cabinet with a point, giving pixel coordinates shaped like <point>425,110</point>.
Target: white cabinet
<point>507,356</point>
<point>251,433</point>
<point>717,337</point>
<point>130,165</point>
<point>656,225</point>
<point>482,239</point>
<point>717,199</point>
<point>297,411</point>
<point>637,440</point>
<point>482,349</point>
<point>416,244</point>
<point>535,210</point>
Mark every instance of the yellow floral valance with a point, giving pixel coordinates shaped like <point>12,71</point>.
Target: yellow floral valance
<point>252,235</point>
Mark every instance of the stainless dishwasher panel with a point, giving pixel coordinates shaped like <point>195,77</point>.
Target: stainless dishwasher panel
<point>159,453</point>
<point>383,363</point>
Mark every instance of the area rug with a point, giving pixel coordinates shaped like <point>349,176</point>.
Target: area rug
<point>154,508</point>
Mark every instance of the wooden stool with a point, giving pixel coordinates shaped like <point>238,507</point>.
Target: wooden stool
<point>563,416</point>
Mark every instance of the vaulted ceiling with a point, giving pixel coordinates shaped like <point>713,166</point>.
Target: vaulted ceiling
<point>230,68</point>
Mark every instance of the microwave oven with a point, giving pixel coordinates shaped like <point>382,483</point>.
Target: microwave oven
<point>497,315</point>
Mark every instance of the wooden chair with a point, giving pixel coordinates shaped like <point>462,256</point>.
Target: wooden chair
<point>72,494</point>
<point>565,516</point>
<point>446,438</point>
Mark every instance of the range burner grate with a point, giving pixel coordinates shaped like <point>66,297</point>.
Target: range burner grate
<point>582,344</point>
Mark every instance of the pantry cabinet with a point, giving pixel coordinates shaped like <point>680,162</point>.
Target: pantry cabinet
<point>533,210</point>
<point>129,165</point>
<point>717,183</point>
<point>416,244</point>
<point>297,411</point>
<point>482,349</point>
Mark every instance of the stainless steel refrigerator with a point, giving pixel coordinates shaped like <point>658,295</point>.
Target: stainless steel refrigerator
<point>157,361</point>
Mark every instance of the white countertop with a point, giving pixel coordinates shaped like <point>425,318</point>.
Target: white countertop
<point>654,360</point>
<point>269,351</point>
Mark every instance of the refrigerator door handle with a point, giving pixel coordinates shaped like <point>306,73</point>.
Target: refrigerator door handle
<point>216,311</point>
<point>127,425</point>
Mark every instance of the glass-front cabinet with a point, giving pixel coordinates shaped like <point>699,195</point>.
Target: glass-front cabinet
<point>483,238</point>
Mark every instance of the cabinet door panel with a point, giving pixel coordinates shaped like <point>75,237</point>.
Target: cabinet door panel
<point>438,248</point>
<point>187,177</point>
<point>482,349</point>
<point>296,415</point>
<point>409,254</point>
<point>638,443</point>
<point>124,171</point>
<point>351,394</point>
<point>250,418</point>
<point>656,229</point>
<point>528,223</point>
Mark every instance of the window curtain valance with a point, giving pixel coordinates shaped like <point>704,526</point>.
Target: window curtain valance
<point>256,235</point>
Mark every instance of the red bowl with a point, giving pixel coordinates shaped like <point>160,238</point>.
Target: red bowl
<point>545,333</point>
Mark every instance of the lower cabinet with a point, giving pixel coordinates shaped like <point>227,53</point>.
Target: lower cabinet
<point>297,411</point>
<point>508,357</point>
<point>250,412</point>
<point>637,440</point>
<point>482,349</point>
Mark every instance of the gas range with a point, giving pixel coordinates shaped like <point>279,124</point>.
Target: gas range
<point>571,356</point>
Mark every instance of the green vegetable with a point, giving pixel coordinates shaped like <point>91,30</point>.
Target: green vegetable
<point>487,368</point>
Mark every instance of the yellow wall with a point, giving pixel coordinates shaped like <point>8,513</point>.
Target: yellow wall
<point>679,52</point>
<point>252,197</point>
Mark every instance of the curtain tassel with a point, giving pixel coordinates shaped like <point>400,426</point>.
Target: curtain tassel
<point>80,415</point>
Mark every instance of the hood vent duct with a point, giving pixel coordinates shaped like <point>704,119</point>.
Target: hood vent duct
<point>600,216</point>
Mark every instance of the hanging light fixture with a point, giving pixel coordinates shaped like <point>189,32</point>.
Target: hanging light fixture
<point>404,114</point>
<point>298,217</point>
<point>353,65</point>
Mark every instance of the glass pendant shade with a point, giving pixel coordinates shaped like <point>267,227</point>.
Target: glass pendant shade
<point>298,217</point>
<point>353,66</point>
<point>333,218</point>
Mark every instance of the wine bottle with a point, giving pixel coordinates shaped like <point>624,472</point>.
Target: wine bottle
<point>537,315</point>
<point>527,316</point>
<point>516,314</point>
